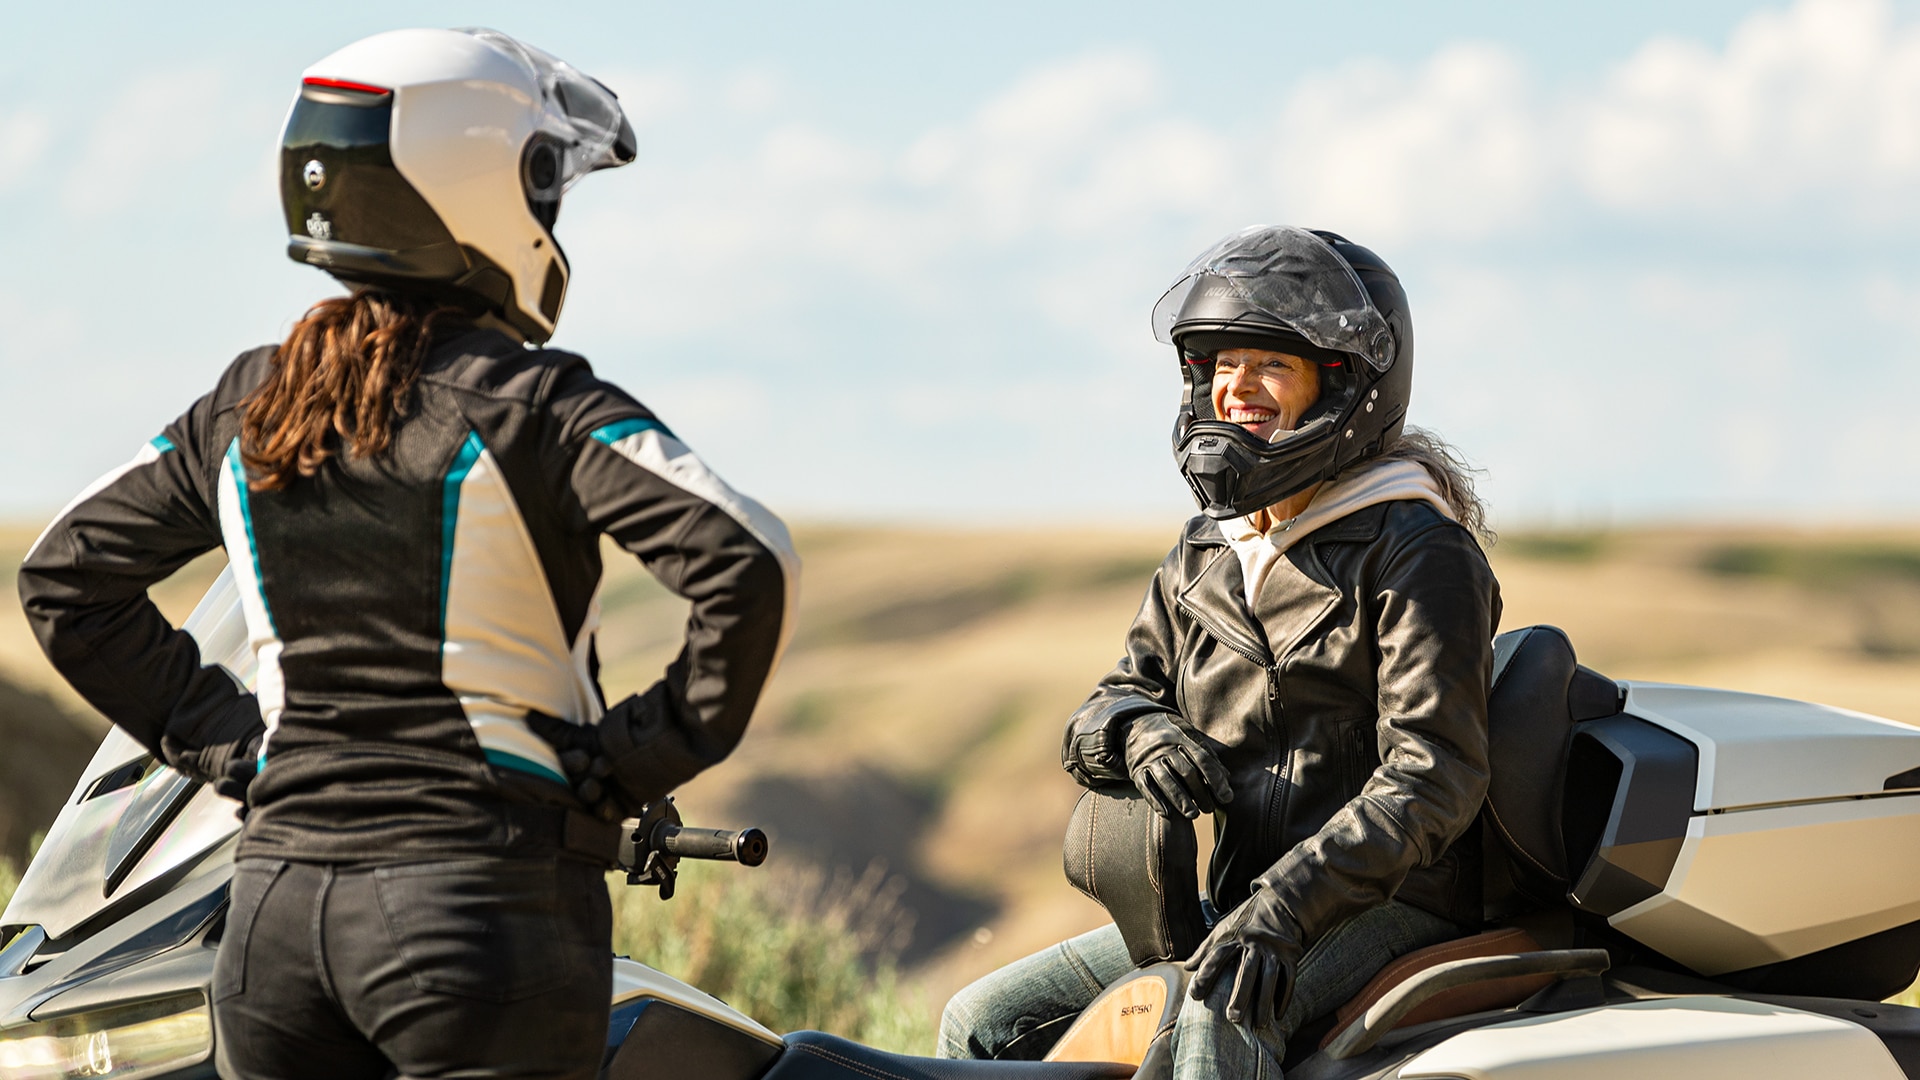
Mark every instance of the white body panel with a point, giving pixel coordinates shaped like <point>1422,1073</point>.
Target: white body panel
<point>62,887</point>
<point>1689,1038</point>
<point>1759,886</point>
<point>1795,846</point>
<point>636,980</point>
<point>1757,750</point>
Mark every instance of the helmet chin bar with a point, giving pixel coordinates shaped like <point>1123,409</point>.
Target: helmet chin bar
<point>1232,473</point>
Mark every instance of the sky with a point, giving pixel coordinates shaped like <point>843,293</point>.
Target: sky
<point>894,262</point>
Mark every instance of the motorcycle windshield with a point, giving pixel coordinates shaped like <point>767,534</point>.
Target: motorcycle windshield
<point>1291,275</point>
<point>131,821</point>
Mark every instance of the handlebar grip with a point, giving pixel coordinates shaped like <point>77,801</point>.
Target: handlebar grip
<point>748,847</point>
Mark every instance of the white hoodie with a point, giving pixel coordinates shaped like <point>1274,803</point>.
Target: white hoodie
<point>1386,481</point>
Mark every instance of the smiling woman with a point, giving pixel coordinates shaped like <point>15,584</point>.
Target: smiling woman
<point>1263,391</point>
<point>1328,581</point>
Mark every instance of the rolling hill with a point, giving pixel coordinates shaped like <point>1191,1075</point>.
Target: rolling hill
<point>916,717</point>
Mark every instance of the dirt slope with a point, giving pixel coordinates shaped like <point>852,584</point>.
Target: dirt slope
<point>917,716</point>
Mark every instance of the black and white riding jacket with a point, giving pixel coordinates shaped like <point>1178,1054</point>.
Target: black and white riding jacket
<point>408,610</point>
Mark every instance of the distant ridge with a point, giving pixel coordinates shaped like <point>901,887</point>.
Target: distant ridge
<point>45,749</point>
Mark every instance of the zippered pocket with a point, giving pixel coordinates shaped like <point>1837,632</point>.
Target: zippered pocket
<point>1361,752</point>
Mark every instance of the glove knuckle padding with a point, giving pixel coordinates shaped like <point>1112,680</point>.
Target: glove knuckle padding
<point>1158,753</point>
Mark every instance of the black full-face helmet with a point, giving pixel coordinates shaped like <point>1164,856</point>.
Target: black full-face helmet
<point>1315,295</point>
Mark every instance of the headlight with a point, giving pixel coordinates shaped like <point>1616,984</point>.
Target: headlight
<point>125,1042</point>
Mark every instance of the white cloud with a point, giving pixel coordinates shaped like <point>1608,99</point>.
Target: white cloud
<point>776,277</point>
<point>754,93</point>
<point>1817,104</point>
<point>1813,111</point>
<point>1455,147</point>
<point>24,137</point>
<point>648,97</point>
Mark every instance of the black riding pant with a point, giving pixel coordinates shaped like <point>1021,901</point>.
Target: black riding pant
<point>470,968</point>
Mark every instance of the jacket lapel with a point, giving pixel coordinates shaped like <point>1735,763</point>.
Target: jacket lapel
<point>1296,596</point>
<point>1300,592</point>
<point>1216,600</point>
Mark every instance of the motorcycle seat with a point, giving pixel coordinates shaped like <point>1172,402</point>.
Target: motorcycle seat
<point>1459,1001</point>
<point>815,1055</point>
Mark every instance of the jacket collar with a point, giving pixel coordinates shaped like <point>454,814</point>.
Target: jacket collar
<point>1216,596</point>
<point>1361,525</point>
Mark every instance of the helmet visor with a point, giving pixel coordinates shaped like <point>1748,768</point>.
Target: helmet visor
<point>580,114</point>
<point>1293,276</point>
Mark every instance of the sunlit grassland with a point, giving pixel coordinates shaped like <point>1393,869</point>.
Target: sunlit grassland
<point>794,950</point>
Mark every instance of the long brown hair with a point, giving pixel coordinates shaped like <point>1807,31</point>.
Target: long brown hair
<point>345,372</point>
<point>1451,472</point>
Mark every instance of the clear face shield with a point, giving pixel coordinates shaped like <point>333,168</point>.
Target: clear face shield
<point>1289,276</point>
<point>581,117</point>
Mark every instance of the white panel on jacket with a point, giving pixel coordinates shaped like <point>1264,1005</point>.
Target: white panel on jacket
<point>505,651</point>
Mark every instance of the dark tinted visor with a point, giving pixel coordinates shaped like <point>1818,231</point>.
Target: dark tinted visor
<point>341,119</point>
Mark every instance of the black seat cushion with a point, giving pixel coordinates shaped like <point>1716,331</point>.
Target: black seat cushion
<point>1540,692</point>
<point>1140,866</point>
<point>815,1055</point>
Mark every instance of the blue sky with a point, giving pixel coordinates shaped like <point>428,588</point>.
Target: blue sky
<point>889,261</point>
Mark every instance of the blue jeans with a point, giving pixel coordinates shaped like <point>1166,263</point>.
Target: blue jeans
<point>1035,998</point>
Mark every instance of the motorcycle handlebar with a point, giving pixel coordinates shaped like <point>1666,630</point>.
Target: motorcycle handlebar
<point>748,847</point>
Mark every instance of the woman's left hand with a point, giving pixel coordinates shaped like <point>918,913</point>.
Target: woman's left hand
<point>1259,943</point>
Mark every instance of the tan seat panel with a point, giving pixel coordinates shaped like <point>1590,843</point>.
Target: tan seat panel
<point>1461,1000</point>
<point>1123,1020</point>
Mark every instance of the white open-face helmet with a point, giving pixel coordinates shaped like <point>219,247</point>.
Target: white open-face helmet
<point>434,160</point>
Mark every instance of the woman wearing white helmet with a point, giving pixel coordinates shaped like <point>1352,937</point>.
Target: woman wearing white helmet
<point>411,498</point>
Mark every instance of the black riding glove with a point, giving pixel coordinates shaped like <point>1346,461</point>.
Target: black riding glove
<point>588,769</point>
<point>1176,775</point>
<point>226,752</point>
<point>1259,943</point>
<point>240,770</point>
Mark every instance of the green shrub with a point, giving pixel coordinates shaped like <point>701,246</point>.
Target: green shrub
<point>1565,547</point>
<point>1819,565</point>
<point>793,950</point>
<point>9,880</point>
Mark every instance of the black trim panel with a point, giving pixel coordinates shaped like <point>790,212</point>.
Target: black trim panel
<point>666,1042</point>
<point>1642,778</point>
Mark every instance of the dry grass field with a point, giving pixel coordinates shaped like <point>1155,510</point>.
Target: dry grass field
<point>916,718</point>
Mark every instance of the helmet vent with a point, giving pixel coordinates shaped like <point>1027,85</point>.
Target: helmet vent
<point>540,170</point>
<point>552,292</point>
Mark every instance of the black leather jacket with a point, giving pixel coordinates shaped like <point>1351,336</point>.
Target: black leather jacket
<point>1351,714</point>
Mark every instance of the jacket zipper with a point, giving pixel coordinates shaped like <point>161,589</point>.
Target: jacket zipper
<point>1274,825</point>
